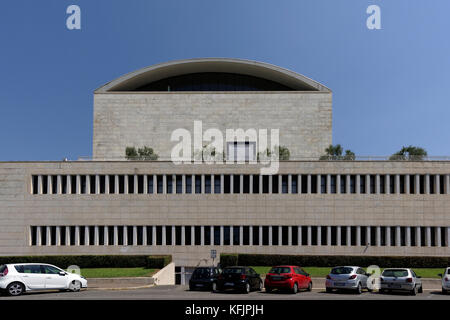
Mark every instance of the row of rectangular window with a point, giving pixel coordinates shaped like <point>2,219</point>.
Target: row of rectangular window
<point>236,183</point>
<point>240,235</point>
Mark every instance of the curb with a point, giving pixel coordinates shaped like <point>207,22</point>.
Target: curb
<point>117,289</point>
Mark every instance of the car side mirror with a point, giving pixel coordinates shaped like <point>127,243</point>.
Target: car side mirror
<point>419,277</point>
<point>307,274</point>
<point>62,273</point>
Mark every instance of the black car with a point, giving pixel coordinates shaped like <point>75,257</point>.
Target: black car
<point>203,277</point>
<point>243,279</point>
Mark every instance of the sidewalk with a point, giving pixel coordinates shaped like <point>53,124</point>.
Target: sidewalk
<point>120,283</point>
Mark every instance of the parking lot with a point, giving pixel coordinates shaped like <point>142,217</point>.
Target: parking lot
<point>183,293</point>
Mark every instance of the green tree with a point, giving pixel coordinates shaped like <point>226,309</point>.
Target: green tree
<point>283,153</point>
<point>409,153</point>
<point>335,153</point>
<point>144,153</point>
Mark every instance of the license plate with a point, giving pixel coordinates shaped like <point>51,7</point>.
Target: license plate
<point>277,278</point>
<point>229,283</point>
<point>199,285</point>
<point>339,284</point>
<point>394,286</point>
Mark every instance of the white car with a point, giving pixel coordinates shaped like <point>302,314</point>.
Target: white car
<point>445,281</point>
<point>17,278</point>
<point>400,279</point>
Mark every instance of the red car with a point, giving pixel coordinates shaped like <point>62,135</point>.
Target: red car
<point>290,278</point>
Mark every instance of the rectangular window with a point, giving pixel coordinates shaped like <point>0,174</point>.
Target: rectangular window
<point>139,235</point>
<point>83,184</point>
<point>169,184</point>
<point>402,183</point>
<point>121,186</point>
<point>362,183</point>
<point>159,235</point>
<point>101,236</point>
<point>102,180</point>
<point>198,183</point>
<point>294,182</point>
<point>178,234</point>
<point>275,183</point>
<point>285,235</point>
<point>207,183</point>
<point>432,184</point>
<point>33,234</point>
<point>169,238</point>
<point>187,235</point>
<point>72,235</point>
<point>333,183</point>
<point>197,235</point>
<point>343,236</point>
<point>92,185</point>
<point>82,231</point>
<point>217,183</point>
<point>323,183</point>
<point>382,184</point>
<point>352,183</point>
<point>343,183</point>
<point>442,184</point>
<point>255,231</point>
<point>265,236</point>
<point>265,186</point>
<point>188,183</point>
<point>140,186</point>
<point>314,235</point>
<point>236,235</point>
<point>236,183</point>
<point>179,181</point>
<point>304,178</point>
<point>207,235</point>
<point>246,235</point>
<point>91,235</point>
<point>274,235</point>
<point>333,236</point>
<point>284,183</point>
<point>34,184</point>
<point>304,235</point>
<point>159,182</point>
<point>294,235</point>
<point>422,184</point>
<point>54,184</point>
<point>392,183</point>
<point>412,184</point>
<point>64,184</point>
<point>112,184</point>
<point>150,184</point>
<point>313,183</point>
<point>226,236</point>
<point>149,235</point>
<point>246,182</point>
<point>227,183</point>
<point>216,235</point>
<point>372,183</point>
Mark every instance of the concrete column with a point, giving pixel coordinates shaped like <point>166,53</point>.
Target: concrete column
<point>96,236</point>
<point>135,237</point>
<point>408,236</point>
<point>135,183</point>
<point>388,236</point>
<point>116,184</point>
<point>211,235</point>
<point>447,184</point>
<point>116,235</point>
<point>260,184</point>
<point>280,235</point>
<point>349,236</point>
<point>97,184</point>
<point>260,236</point>
<point>154,235</point>
<point>174,184</point>
<point>183,184</point>
<point>68,238</point>
<point>40,184</point>
<point>39,236</point>
<point>347,183</point>
<point>309,236</point>
<point>319,236</point>
<point>145,184</point>
<point>289,236</point>
<point>221,236</point>
<point>164,236</point>
<point>58,236</point>
<point>368,230</point>
<point>183,235</point>
<point>407,186</point>
<point>437,184</point>
<point>387,184</point>
<point>280,183</point>
<point>164,184</point>
<point>69,184</point>
<point>377,184</point>
<point>358,235</point>
<point>202,235</point>
<point>308,187</point>
<point>299,183</point>
<point>447,235</point>
<point>427,184</point>
<point>289,190</point>
<point>250,181</point>
<point>107,191</point>
<point>338,183</point>
<point>338,236</point>
<point>250,235</point>
<point>241,235</point>
<point>155,184</point>
<point>328,236</point>
<point>49,185</point>
<point>299,235</point>
<point>174,236</point>
<point>49,236</point>
<point>378,236</point>
<point>398,237</point>
<point>106,236</point>
<point>328,187</point>
<point>125,235</point>
<point>88,184</point>
<point>78,184</point>
<point>367,183</point>
<point>222,183</point>
<point>397,184</point>
<point>270,183</point>
<point>417,184</point>
<point>202,184</point>
<point>86,236</point>
<point>418,237</point>
<point>428,236</point>
<point>231,183</point>
<point>319,184</point>
<point>358,184</point>
<point>270,235</point>
<point>213,185</point>
<point>241,183</point>
<point>438,236</point>
<point>58,184</point>
<point>231,235</point>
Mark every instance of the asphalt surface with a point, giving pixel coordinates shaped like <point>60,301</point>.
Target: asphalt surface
<point>183,293</point>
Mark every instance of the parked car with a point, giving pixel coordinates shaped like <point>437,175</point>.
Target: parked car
<point>203,278</point>
<point>401,279</point>
<point>244,279</point>
<point>445,281</point>
<point>290,278</point>
<point>347,278</point>
<point>15,279</point>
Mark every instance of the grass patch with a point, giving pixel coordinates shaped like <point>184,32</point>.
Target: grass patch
<point>116,272</point>
<point>319,272</point>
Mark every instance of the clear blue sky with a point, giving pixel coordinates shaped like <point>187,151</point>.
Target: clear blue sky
<point>390,86</point>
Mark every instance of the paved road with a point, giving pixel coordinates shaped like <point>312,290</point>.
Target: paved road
<point>182,293</point>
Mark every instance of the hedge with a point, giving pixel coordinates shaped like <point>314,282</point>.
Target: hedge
<point>329,261</point>
<point>94,261</point>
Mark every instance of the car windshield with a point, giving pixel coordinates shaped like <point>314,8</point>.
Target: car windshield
<point>341,270</point>
<point>279,270</point>
<point>202,272</point>
<point>233,270</point>
<point>395,273</point>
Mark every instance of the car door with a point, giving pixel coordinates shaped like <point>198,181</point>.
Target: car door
<point>417,280</point>
<point>53,280</point>
<point>32,276</point>
<point>298,277</point>
<point>304,278</point>
<point>362,276</point>
<point>252,277</point>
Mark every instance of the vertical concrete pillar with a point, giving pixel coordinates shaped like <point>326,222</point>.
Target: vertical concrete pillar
<point>164,184</point>
<point>437,184</point>
<point>428,236</point>
<point>447,184</point>
<point>299,183</point>
<point>163,235</point>
<point>96,236</point>
<point>88,184</point>
<point>68,237</point>
<point>58,184</point>
<point>270,235</point>
<point>338,236</point>
<point>398,237</point>
<point>358,184</point>
<point>280,183</point>
<point>154,234</point>
<point>270,183</point>
<point>358,235</point>
<point>280,235</point>
<point>231,183</point>
<point>319,184</point>
<point>418,237</point>
<point>69,184</point>
<point>407,184</point>
<point>377,184</point>
<point>49,184</point>
<point>397,184</point>
<point>202,235</point>
<point>155,184</point>
<point>39,236</point>
<point>116,184</point>
<point>299,235</point>
<point>250,181</point>
<point>107,191</point>
<point>211,235</point>
<point>368,236</point>
<point>289,236</point>
<point>378,236</point>
<point>58,236</point>
<point>221,236</point>
<point>308,187</point>
<point>202,184</point>
<point>328,189</point>
<point>250,236</point>
<point>289,189</point>
<point>438,236</point>
<point>78,184</point>
<point>388,236</point>
<point>260,184</point>
<point>338,183</point>
<point>309,236</point>
<point>49,236</point>
<point>231,235</point>
<point>387,184</point>
<point>183,184</point>
<point>260,236</point>
<point>183,236</point>
<point>408,236</point>
<point>347,183</point>
<point>241,183</point>
<point>319,236</point>
<point>174,184</point>
<point>116,235</point>
<point>417,184</point>
<point>328,236</point>
<point>427,184</point>
<point>106,236</point>
<point>145,184</point>
<point>97,184</point>
<point>349,236</point>
<point>241,235</point>
<point>135,184</point>
<point>213,185</point>
<point>125,235</point>
<point>40,184</point>
<point>135,235</point>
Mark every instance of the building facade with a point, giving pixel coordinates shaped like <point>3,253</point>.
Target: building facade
<point>110,205</point>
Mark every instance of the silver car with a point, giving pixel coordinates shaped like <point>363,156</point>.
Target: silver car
<point>400,279</point>
<point>347,277</point>
<point>445,281</point>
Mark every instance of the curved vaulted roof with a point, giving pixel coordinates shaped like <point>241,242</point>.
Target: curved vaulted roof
<point>139,78</point>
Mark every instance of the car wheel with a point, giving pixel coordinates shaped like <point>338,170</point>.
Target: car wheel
<point>359,288</point>
<point>295,288</point>
<point>15,289</point>
<point>421,289</point>
<point>309,287</point>
<point>329,290</point>
<point>414,291</point>
<point>247,288</point>
<point>260,287</point>
<point>75,286</point>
